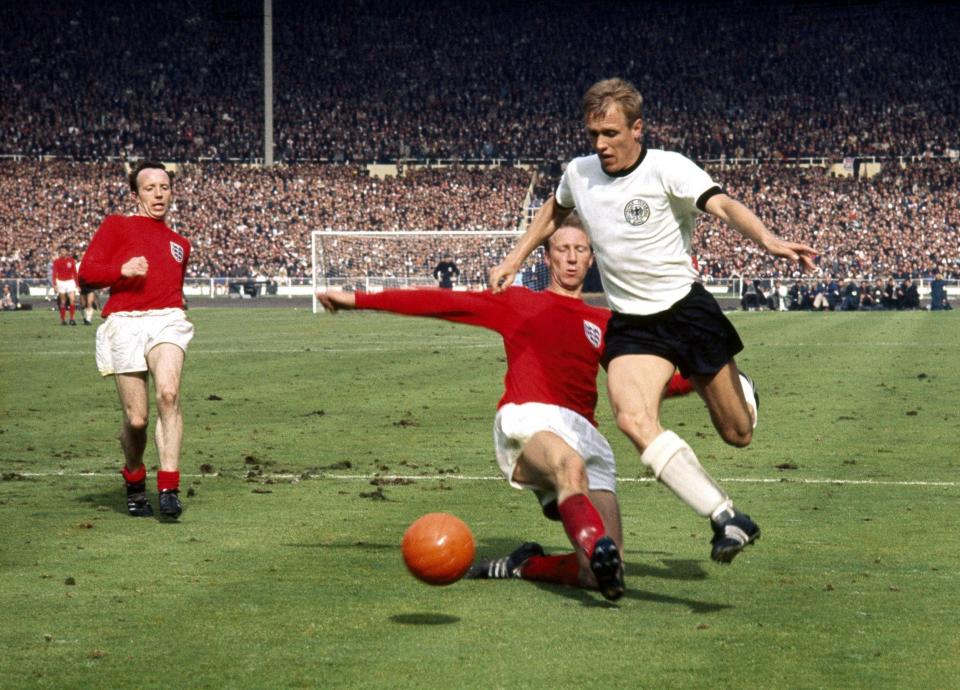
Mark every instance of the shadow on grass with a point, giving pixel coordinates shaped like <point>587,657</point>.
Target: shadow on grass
<point>694,605</point>
<point>424,619</point>
<point>591,598</point>
<point>681,569</point>
<point>115,501</point>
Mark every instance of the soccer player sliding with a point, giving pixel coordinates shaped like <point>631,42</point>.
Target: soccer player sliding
<point>544,431</point>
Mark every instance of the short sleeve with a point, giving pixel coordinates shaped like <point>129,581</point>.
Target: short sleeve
<point>564,195</point>
<point>687,182</point>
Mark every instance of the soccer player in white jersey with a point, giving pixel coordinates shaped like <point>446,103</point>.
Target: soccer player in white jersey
<point>639,208</point>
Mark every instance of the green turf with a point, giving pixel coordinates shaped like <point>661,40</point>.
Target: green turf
<point>285,570</point>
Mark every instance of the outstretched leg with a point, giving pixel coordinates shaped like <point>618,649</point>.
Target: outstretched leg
<point>635,384</point>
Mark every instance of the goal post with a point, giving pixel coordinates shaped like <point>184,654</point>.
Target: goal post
<point>374,261</point>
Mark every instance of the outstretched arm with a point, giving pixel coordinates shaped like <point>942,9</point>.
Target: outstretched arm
<point>544,224</point>
<point>335,300</point>
<point>474,308</point>
<point>745,221</point>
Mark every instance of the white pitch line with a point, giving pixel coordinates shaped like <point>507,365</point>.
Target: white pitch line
<point>473,478</point>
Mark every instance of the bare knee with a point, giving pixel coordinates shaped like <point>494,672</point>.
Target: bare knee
<point>135,422</point>
<point>627,423</point>
<point>638,429</point>
<point>168,399</point>
<point>571,475</point>
<point>737,435</point>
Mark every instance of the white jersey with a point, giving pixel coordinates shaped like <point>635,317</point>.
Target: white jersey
<point>640,224</point>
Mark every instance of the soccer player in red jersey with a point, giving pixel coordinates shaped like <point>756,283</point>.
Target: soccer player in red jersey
<point>545,432</point>
<point>146,331</point>
<point>64,277</point>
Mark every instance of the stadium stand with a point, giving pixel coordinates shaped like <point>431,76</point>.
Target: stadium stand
<point>242,218</point>
<point>903,221</point>
<point>767,98</point>
<point>480,80</point>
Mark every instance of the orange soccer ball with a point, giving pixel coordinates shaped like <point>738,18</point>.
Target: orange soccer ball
<point>438,548</point>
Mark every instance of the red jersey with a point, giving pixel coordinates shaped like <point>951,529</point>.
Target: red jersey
<point>121,238</point>
<point>64,268</point>
<point>553,343</point>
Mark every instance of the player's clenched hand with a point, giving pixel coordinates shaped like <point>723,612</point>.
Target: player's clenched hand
<point>501,276</point>
<point>137,266</point>
<point>334,300</point>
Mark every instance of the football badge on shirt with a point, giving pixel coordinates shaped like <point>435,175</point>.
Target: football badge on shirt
<point>636,212</point>
<point>177,252</point>
<point>593,333</point>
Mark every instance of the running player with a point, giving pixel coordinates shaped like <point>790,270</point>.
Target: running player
<point>146,331</point>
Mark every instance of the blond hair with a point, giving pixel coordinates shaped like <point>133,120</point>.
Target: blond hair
<point>607,92</point>
<point>571,221</point>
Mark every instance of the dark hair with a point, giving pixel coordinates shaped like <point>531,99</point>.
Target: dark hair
<point>144,165</point>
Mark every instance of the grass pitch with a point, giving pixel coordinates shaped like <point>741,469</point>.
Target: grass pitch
<point>313,441</point>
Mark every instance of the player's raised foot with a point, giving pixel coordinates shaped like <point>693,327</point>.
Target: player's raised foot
<point>137,503</point>
<point>731,535</point>
<point>751,396</point>
<point>506,567</point>
<point>607,567</point>
<point>170,506</point>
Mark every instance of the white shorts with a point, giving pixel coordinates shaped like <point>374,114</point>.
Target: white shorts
<point>66,287</point>
<point>516,424</point>
<point>125,338</point>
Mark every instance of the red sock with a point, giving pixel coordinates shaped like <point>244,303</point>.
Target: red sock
<point>562,570</point>
<point>73,310</point>
<point>136,476</point>
<point>678,386</point>
<point>582,522</point>
<point>168,481</point>
<point>63,313</point>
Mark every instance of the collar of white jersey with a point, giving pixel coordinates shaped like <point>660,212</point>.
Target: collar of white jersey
<point>627,171</point>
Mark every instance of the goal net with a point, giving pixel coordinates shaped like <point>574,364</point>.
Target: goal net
<point>375,261</point>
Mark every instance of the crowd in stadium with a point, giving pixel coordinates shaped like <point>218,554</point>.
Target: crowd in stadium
<point>468,81</point>
<point>488,79</point>
<point>240,219</point>
<point>903,222</point>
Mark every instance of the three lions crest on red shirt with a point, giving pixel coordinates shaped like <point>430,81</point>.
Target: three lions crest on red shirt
<point>593,333</point>
<point>177,252</point>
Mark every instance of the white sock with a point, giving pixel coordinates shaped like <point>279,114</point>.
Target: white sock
<point>675,464</point>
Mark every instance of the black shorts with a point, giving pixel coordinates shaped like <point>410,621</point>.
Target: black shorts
<point>693,334</point>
